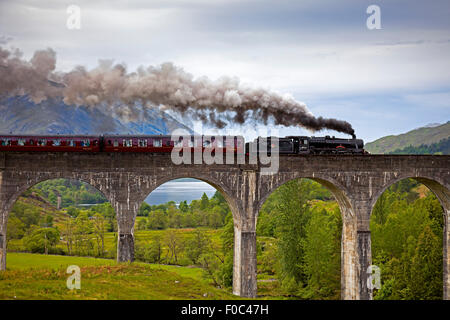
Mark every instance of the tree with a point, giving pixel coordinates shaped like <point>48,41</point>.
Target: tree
<point>322,258</point>
<point>184,207</point>
<point>211,266</point>
<point>68,233</point>
<point>215,218</point>
<point>292,216</point>
<point>83,231</point>
<point>204,202</point>
<point>72,211</point>
<point>107,211</point>
<point>197,245</point>
<point>173,242</point>
<point>155,250</point>
<point>266,223</point>
<point>189,220</point>
<point>157,220</point>
<point>48,221</point>
<point>426,268</point>
<point>408,246</point>
<point>41,239</point>
<point>15,229</point>
<point>381,209</point>
<point>99,229</point>
<point>142,224</point>
<point>227,237</point>
<point>144,209</point>
<point>175,217</point>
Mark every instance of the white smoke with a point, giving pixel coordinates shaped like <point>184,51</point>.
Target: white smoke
<point>216,102</point>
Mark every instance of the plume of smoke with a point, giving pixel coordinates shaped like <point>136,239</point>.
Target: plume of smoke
<point>20,77</point>
<point>167,86</point>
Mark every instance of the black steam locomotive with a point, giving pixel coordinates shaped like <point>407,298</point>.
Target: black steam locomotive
<point>306,145</point>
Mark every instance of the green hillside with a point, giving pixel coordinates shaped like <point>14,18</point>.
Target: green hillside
<point>442,147</point>
<point>414,138</point>
<point>35,276</point>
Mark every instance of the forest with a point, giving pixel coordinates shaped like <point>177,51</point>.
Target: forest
<point>298,236</point>
<point>441,147</point>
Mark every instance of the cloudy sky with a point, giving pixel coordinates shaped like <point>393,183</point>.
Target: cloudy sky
<point>384,81</point>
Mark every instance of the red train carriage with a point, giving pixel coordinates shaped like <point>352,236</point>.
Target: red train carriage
<point>212,143</point>
<point>148,143</point>
<point>160,143</point>
<point>123,143</point>
<point>60,143</point>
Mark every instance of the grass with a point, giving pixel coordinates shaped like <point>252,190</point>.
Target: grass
<point>35,276</point>
<point>142,237</point>
<point>21,261</point>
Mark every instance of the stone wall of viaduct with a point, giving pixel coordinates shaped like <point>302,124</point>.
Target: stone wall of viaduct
<point>126,179</point>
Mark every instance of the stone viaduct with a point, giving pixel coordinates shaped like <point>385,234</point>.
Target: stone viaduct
<point>126,179</point>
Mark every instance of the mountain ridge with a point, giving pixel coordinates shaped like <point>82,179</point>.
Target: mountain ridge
<point>421,136</point>
<point>20,115</point>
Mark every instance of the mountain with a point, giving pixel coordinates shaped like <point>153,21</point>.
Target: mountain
<point>415,138</point>
<point>20,115</point>
<point>441,147</point>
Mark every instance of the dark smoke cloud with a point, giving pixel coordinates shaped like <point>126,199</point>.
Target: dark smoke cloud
<point>167,86</point>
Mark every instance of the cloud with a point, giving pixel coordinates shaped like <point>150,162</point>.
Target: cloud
<point>431,100</point>
<point>5,39</point>
<point>309,48</point>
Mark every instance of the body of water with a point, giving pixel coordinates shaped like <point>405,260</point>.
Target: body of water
<point>180,190</point>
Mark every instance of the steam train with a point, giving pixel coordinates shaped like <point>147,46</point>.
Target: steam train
<point>307,145</point>
<point>165,143</point>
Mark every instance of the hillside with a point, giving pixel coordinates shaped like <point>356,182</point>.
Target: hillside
<point>44,207</point>
<point>442,147</point>
<point>20,115</point>
<point>415,138</point>
<point>102,279</point>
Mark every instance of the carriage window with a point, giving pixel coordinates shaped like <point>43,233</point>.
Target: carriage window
<point>219,143</point>
<point>56,142</point>
<point>191,143</point>
<point>127,142</point>
<point>42,142</point>
<point>6,142</point>
<point>305,141</point>
<point>31,142</point>
<point>70,143</point>
<point>168,143</point>
<point>116,143</point>
<point>157,142</point>
<point>142,143</point>
<point>85,143</point>
<point>21,142</point>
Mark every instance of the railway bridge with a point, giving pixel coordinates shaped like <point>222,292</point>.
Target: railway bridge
<point>126,179</point>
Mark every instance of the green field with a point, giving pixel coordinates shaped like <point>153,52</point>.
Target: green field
<point>143,237</point>
<point>35,276</point>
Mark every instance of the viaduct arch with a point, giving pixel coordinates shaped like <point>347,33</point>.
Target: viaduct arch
<point>127,178</point>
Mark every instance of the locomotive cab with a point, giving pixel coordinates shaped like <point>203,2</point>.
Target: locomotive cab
<point>301,144</point>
